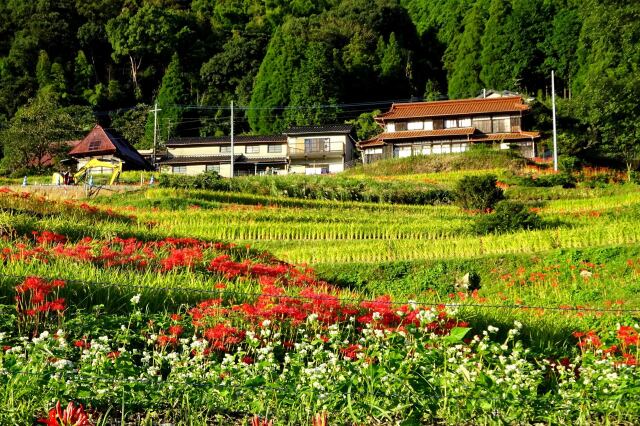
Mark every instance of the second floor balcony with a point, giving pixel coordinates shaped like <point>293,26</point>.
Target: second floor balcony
<point>317,148</point>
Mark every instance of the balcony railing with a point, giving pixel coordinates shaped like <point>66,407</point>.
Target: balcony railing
<point>316,148</point>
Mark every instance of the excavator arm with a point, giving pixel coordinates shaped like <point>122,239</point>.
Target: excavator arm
<point>116,169</point>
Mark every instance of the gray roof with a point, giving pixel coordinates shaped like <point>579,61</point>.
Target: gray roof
<point>226,140</point>
<point>329,129</point>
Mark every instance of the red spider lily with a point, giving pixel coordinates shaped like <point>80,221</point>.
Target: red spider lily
<point>32,304</point>
<point>257,421</point>
<point>588,340</point>
<point>46,237</point>
<point>70,416</point>
<point>320,419</point>
<point>185,257</point>
<point>164,340</point>
<point>176,330</point>
<point>351,352</point>
<point>221,336</point>
<point>628,335</point>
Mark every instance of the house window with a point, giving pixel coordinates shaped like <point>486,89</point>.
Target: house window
<point>501,124</point>
<point>401,126</point>
<point>391,127</point>
<point>415,125</point>
<point>213,168</point>
<point>428,125</point>
<point>401,151</point>
<point>483,124</point>
<point>252,149</point>
<point>449,124</point>
<point>179,170</point>
<point>274,149</point>
<point>225,149</point>
<point>317,145</point>
<point>94,145</point>
<point>464,122</point>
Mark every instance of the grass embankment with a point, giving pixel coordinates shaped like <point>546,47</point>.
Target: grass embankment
<point>475,159</point>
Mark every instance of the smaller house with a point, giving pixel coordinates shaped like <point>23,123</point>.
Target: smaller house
<point>320,149</point>
<point>252,155</point>
<point>104,145</point>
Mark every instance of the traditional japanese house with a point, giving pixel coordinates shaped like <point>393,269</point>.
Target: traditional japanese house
<point>105,145</point>
<point>442,127</point>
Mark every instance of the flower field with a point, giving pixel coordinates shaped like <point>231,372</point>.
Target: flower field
<point>194,308</point>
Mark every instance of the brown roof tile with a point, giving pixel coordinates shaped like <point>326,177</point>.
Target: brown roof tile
<point>95,143</point>
<point>505,136</point>
<point>412,134</point>
<point>453,108</point>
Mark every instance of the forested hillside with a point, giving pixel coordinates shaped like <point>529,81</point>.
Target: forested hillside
<point>307,62</point>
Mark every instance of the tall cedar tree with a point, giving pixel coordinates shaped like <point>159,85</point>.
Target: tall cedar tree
<point>464,68</point>
<point>497,70</point>
<point>172,97</point>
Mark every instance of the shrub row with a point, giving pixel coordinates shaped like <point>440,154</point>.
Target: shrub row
<point>335,188</point>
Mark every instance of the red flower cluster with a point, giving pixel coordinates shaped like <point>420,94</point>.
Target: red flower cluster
<point>70,416</point>
<point>627,346</point>
<point>32,293</point>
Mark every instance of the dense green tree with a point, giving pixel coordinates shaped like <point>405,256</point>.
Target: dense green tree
<point>147,34</point>
<point>313,89</point>
<point>560,47</point>
<point>273,82</point>
<point>131,124</point>
<point>463,57</point>
<point>39,128</point>
<point>497,70</point>
<point>172,97</point>
<point>366,126</point>
<point>609,79</point>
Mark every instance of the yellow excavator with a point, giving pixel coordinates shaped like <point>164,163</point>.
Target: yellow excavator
<point>82,174</point>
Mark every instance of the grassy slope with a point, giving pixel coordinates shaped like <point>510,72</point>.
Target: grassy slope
<point>479,159</point>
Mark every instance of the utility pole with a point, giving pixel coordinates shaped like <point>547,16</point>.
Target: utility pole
<point>231,162</point>
<point>155,133</point>
<point>555,138</point>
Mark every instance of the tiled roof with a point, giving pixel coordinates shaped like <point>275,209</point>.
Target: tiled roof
<point>96,142</point>
<point>102,142</point>
<point>216,159</point>
<point>226,140</point>
<point>466,131</point>
<point>371,142</point>
<point>453,108</point>
<point>319,130</point>
<point>411,134</point>
<point>505,136</point>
